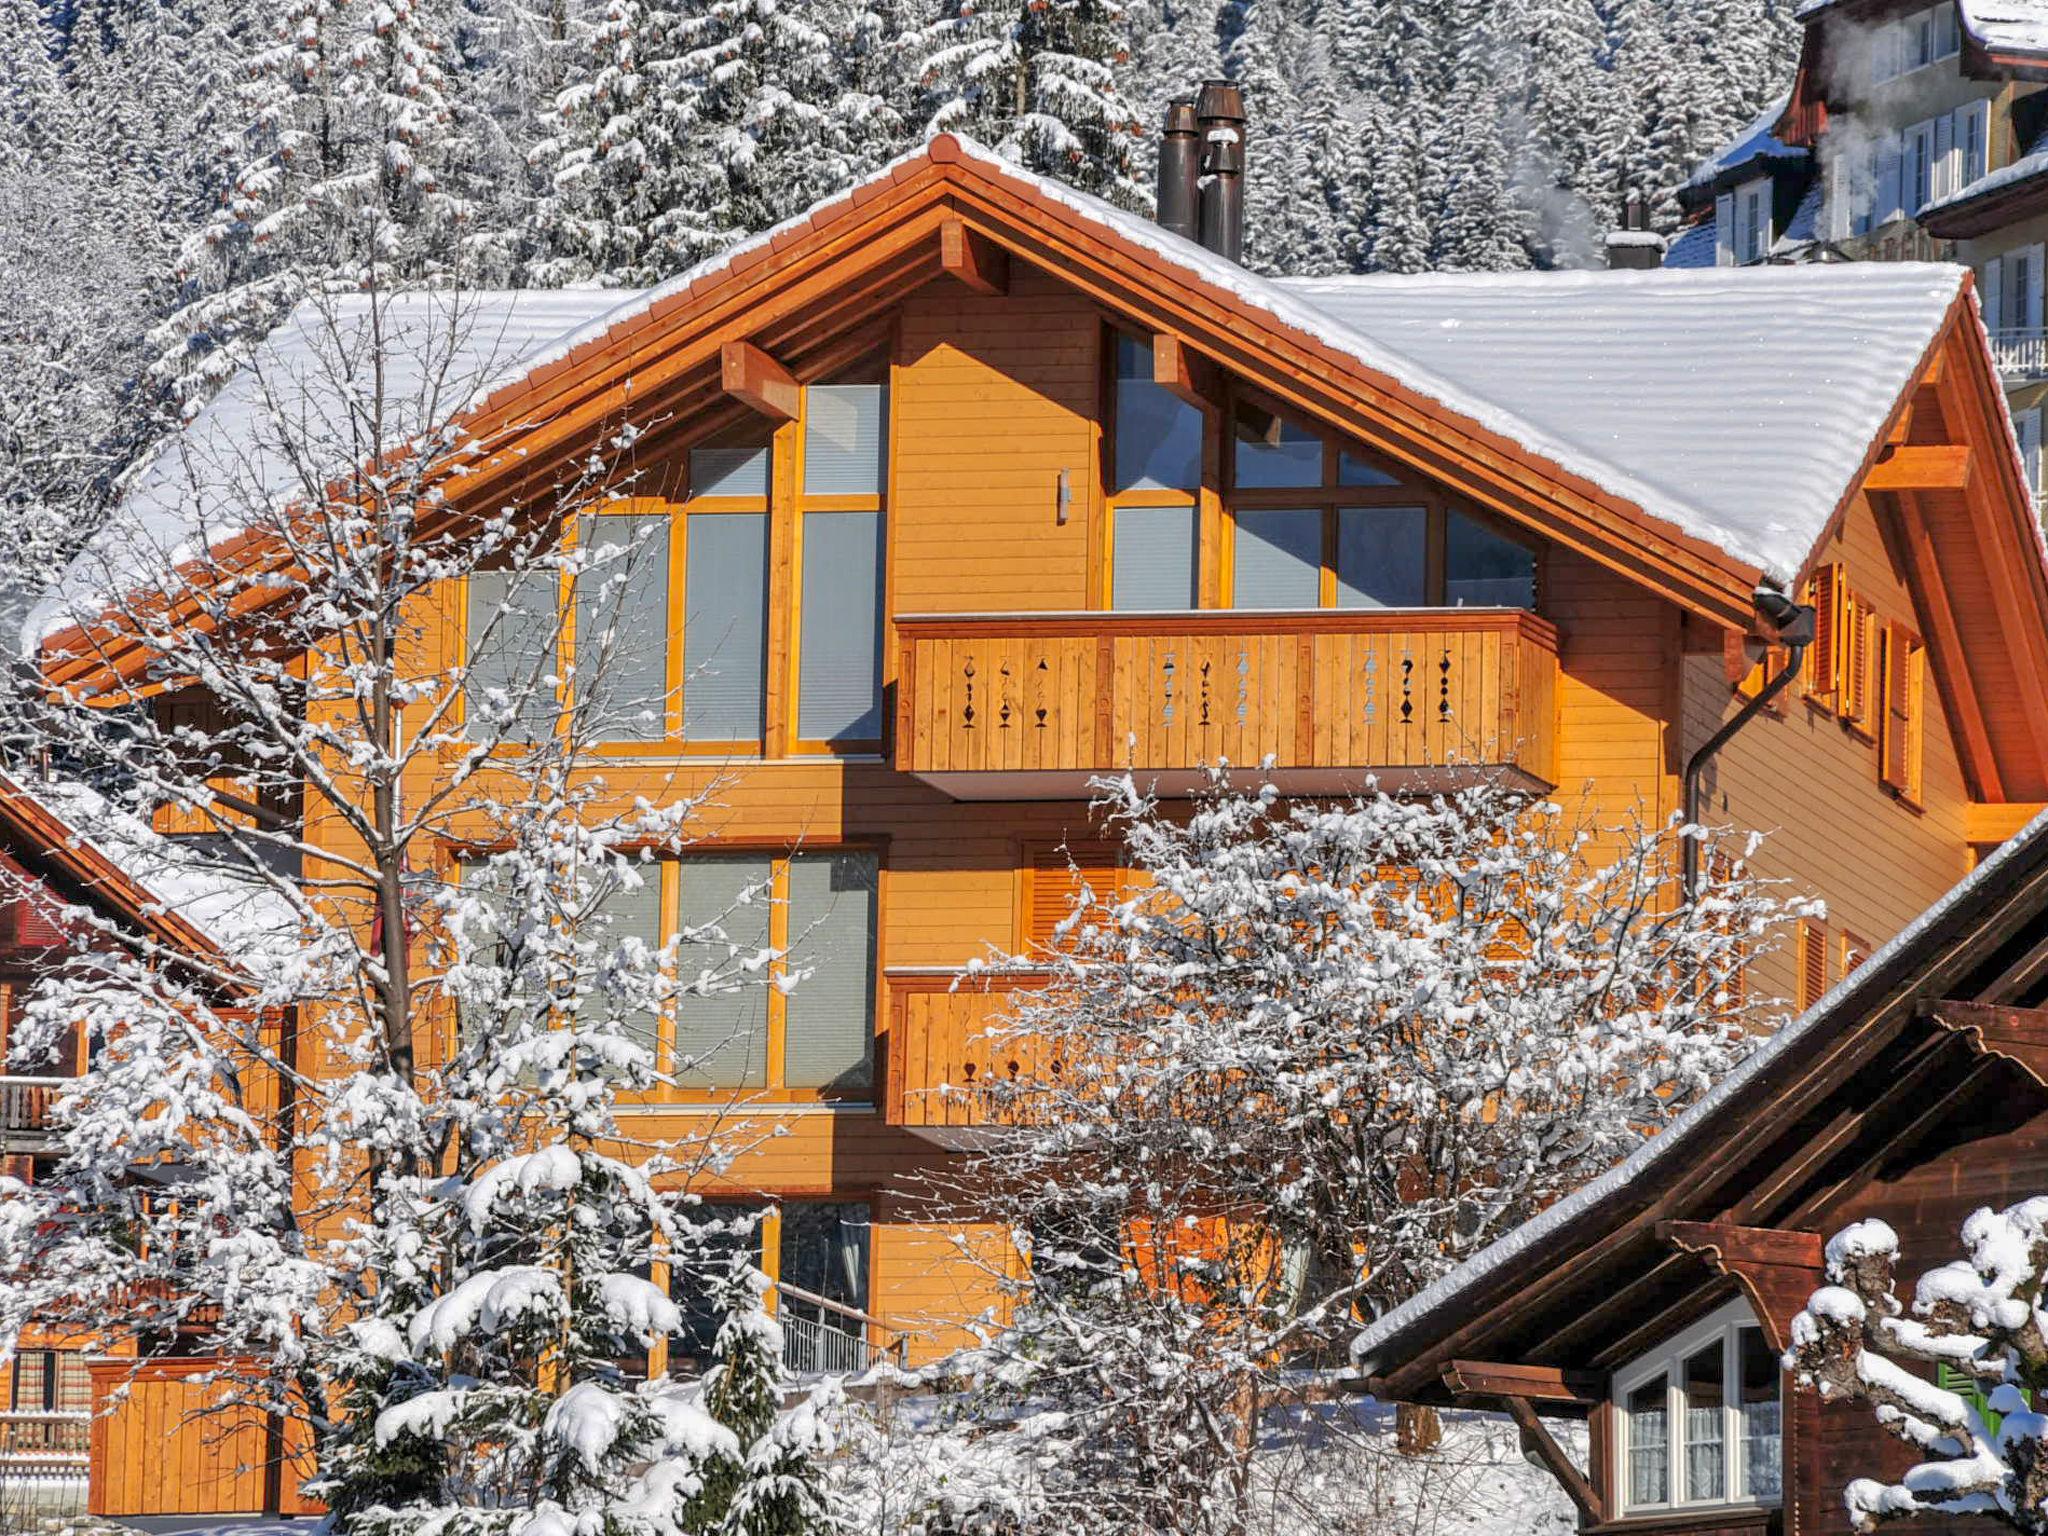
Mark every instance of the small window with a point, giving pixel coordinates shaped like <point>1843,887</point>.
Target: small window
<point>1158,434</point>
<point>1698,1420</point>
<point>1352,470</point>
<point>1484,569</point>
<point>725,908</point>
<point>845,433</point>
<point>839,687</point>
<point>735,465</point>
<point>1153,561</point>
<point>725,626</point>
<point>1382,557</point>
<point>830,1011</point>
<point>1279,558</point>
<point>621,654</point>
<point>513,620</point>
<point>1282,457</point>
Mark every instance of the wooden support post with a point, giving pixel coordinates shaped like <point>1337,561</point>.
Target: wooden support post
<point>757,381</point>
<point>1537,1441</point>
<point>1777,1270</point>
<point>2017,1035</point>
<point>1986,823</point>
<point>1921,467</point>
<point>1181,370</point>
<point>973,259</point>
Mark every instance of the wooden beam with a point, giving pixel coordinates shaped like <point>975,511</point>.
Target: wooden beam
<point>1178,368</point>
<point>757,381</point>
<point>973,259</point>
<point>1542,1383</point>
<point>1920,467</point>
<point>1537,1441</point>
<point>1987,824</point>
<point>1777,1270</point>
<point>2017,1035</point>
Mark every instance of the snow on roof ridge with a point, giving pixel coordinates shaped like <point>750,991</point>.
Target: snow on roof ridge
<point>1758,140</point>
<point>1512,1244</point>
<point>2026,168</point>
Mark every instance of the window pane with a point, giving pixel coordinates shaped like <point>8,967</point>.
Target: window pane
<point>722,1038</point>
<point>1158,435</point>
<point>1649,1444</point>
<point>725,624</point>
<point>1484,570</point>
<point>843,439</point>
<point>1295,460</point>
<point>1382,557</point>
<point>1706,1450</point>
<point>1154,559</point>
<point>1352,470</point>
<point>1763,1448</point>
<point>634,913</point>
<point>622,628</point>
<point>840,688</point>
<point>692,1280</point>
<point>830,1036</point>
<point>824,1251</point>
<point>513,621</point>
<point>1279,559</point>
<point>730,469</point>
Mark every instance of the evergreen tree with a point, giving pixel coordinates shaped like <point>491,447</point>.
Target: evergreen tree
<point>1041,83</point>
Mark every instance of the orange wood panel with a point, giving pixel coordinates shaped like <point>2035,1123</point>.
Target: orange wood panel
<point>173,1445</point>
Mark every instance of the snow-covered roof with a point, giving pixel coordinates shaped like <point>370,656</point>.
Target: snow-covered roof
<point>1738,403</point>
<point>1734,405</point>
<point>1759,141</point>
<point>2027,168</point>
<point>2002,26</point>
<point>1695,246</point>
<point>1836,1008</point>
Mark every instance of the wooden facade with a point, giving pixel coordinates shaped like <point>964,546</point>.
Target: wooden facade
<point>993,317</point>
<point>1916,1097</point>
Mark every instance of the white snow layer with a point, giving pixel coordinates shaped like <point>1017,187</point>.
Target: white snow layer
<point>1734,404</point>
<point>2026,168</point>
<point>1512,1245</point>
<point>2003,26</point>
<point>1758,141</point>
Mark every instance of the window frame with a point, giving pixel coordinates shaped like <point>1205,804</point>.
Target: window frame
<point>1668,1360</point>
<point>670,742</point>
<point>1200,497</point>
<point>802,503</point>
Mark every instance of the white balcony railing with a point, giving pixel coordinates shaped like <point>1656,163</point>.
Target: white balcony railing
<point>2021,353</point>
<point>822,1337</point>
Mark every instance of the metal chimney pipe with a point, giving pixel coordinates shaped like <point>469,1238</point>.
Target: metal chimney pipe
<point>1220,118</point>
<point>1180,171</point>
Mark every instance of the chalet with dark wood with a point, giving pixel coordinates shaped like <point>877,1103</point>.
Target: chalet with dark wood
<point>1654,1304</point>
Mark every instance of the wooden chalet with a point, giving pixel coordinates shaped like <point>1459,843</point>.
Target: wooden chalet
<point>1654,1303</point>
<point>974,487</point>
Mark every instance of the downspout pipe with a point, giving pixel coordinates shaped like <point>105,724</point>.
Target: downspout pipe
<point>1794,624</point>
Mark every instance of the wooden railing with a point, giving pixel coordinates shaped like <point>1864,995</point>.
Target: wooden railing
<point>1338,690</point>
<point>940,1061</point>
<point>25,1109</point>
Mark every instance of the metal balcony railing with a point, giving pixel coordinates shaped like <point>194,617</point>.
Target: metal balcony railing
<point>823,1337</point>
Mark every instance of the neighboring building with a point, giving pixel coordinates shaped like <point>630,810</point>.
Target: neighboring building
<point>1655,1301</point>
<point>1045,491</point>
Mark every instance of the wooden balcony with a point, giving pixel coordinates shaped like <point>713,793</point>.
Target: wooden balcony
<point>938,1059</point>
<point>25,1111</point>
<point>1030,706</point>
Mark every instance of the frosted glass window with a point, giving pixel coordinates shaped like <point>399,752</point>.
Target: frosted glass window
<point>1154,559</point>
<point>1706,1444</point>
<point>1352,470</point>
<point>513,617</point>
<point>622,628</point>
<point>1158,434</point>
<point>1649,1443</point>
<point>634,913</point>
<point>725,627</point>
<point>844,434</point>
<point>730,469</point>
<point>1484,570</point>
<point>1763,1446</point>
<point>1279,559</point>
<point>1382,557</point>
<point>840,658</point>
<point>829,1030</point>
<point>1295,461</point>
<point>722,1038</point>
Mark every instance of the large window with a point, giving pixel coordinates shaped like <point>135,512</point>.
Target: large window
<point>1316,526</point>
<point>839,646</point>
<point>1699,1420</point>
<point>620,649</point>
<point>725,591</point>
<point>1155,478</point>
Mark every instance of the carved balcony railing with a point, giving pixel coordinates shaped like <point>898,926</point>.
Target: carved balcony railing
<point>940,1060</point>
<point>1029,705</point>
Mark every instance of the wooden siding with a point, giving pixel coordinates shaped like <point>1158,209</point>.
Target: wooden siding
<point>1798,774</point>
<point>941,1057</point>
<point>1335,690</point>
<point>171,1448</point>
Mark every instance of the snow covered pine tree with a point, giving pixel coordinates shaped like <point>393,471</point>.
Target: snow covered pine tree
<point>1979,1321</point>
<point>1302,1060</point>
<point>364,1153</point>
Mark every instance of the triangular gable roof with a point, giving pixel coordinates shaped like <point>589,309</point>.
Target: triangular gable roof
<point>1798,370</point>
<point>1746,1114</point>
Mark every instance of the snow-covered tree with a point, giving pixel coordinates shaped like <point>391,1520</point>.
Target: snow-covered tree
<point>1308,1059</point>
<point>1979,1321</point>
<point>365,1152</point>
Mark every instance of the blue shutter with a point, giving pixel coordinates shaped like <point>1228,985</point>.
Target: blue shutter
<point>725,627</point>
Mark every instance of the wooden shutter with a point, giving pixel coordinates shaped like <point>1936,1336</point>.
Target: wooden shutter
<point>1813,962</point>
<point>1053,874</point>
<point>1824,661</point>
<point>1855,950</point>
<point>1856,663</point>
<point>1899,738</point>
